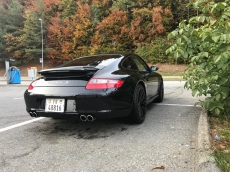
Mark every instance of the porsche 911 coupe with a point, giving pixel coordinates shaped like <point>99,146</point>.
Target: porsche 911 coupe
<point>96,87</point>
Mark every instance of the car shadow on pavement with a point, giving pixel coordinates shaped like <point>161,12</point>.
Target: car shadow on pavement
<point>54,129</point>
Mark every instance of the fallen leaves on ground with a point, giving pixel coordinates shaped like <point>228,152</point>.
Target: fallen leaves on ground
<point>158,167</point>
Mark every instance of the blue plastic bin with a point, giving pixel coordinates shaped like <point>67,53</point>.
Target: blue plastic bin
<point>15,76</point>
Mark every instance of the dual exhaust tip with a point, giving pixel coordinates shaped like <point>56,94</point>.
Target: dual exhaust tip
<point>89,118</point>
<point>33,114</point>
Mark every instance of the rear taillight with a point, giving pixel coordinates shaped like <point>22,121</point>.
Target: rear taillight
<point>31,86</point>
<point>97,84</point>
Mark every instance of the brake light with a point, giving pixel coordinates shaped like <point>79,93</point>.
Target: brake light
<point>96,84</point>
<point>31,86</point>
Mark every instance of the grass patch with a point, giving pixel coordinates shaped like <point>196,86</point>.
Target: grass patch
<point>171,73</point>
<point>220,128</point>
<point>226,134</point>
<point>223,160</point>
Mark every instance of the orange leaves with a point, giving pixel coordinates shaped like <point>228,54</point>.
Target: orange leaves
<point>15,45</point>
<point>70,35</point>
<point>113,28</point>
<point>55,28</point>
<point>50,6</point>
<point>157,20</point>
<point>99,3</point>
<point>30,5</point>
<point>83,9</point>
<point>10,39</point>
<point>51,2</point>
<point>158,167</point>
<point>141,25</point>
<point>113,21</point>
<point>60,35</point>
<point>144,13</point>
<point>117,29</point>
<point>83,27</point>
<point>161,18</point>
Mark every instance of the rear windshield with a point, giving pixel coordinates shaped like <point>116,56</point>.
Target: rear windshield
<point>103,60</point>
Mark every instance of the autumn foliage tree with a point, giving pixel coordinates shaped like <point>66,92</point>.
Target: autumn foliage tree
<point>83,29</point>
<point>141,26</point>
<point>70,37</point>
<point>60,34</point>
<point>73,28</point>
<point>150,29</point>
<point>112,33</point>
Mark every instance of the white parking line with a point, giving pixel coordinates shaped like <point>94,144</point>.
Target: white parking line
<point>20,124</point>
<point>18,98</point>
<point>175,105</point>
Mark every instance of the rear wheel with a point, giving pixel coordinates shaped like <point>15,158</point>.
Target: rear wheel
<point>139,105</point>
<point>160,97</point>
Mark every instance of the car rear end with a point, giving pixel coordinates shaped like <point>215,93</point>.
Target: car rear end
<point>78,91</point>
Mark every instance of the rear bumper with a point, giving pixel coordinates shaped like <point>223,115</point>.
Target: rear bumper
<point>97,115</point>
<point>101,105</point>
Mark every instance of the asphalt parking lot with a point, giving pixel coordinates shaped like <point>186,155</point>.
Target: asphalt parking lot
<point>167,138</point>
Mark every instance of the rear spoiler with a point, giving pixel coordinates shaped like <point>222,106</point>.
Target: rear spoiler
<point>71,69</point>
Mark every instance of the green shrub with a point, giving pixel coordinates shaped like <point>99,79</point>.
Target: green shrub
<point>205,42</point>
<point>154,52</point>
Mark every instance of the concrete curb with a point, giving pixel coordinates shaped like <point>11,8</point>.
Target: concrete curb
<point>206,162</point>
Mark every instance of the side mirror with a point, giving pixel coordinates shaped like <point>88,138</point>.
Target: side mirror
<point>154,68</point>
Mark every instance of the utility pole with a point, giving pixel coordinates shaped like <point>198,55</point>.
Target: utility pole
<point>42,40</point>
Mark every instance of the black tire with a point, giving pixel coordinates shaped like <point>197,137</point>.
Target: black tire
<point>160,96</point>
<point>138,112</point>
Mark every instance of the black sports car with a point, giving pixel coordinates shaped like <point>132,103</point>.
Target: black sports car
<point>97,86</point>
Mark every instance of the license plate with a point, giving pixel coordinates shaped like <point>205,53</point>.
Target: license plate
<point>55,105</point>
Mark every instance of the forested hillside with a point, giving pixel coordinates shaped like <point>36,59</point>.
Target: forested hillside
<point>71,28</point>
